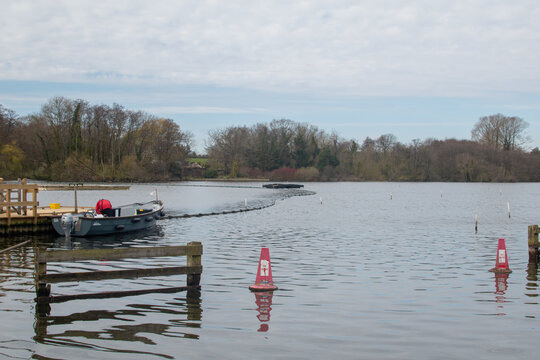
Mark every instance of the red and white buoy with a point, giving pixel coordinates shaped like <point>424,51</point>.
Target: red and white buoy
<point>501,262</point>
<point>263,280</point>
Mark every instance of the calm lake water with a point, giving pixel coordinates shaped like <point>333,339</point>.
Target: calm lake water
<point>364,270</point>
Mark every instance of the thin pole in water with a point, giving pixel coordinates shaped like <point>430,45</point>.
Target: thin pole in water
<point>475,223</point>
<point>509,209</point>
<point>75,185</point>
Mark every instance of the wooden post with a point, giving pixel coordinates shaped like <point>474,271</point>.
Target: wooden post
<point>24,195</point>
<point>533,243</point>
<point>194,254</point>
<point>75,190</point>
<point>18,191</point>
<point>8,199</point>
<point>35,203</point>
<point>42,289</point>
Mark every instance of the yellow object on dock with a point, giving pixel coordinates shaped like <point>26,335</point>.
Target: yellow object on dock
<point>54,205</point>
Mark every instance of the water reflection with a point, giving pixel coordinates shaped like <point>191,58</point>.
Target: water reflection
<point>177,318</point>
<point>264,306</point>
<point>532,281</point>
<point>532,278</point>
<point>501,286</point>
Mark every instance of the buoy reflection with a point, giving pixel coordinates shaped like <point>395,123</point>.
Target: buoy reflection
<point>264,306</point>
<point>501,285</point>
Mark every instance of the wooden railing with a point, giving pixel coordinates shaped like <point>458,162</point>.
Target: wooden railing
<point>14,200</point>
<point>193,269</point>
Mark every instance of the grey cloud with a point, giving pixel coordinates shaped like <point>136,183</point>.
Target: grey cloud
<point>350,47</point>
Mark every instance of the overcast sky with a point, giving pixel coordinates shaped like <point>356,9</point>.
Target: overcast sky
<point>416,69</point>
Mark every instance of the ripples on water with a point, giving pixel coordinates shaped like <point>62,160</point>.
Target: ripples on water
<point>377,271</point>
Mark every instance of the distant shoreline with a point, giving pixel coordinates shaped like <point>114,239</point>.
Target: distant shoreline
<point>228,180</point>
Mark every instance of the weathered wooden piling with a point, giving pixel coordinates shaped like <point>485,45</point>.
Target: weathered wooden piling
<point>193,269</point>
<point>194,260</point>
<point>533,243</point>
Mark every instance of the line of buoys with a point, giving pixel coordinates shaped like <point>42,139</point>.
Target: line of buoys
<point>226,212</point>
<point>263,280</point>
<point>501,261</point>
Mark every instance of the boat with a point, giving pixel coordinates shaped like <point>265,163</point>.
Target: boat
<point>283,186</point>
<point>125,218</point>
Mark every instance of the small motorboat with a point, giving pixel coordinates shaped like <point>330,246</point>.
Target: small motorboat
<point>121,219</point>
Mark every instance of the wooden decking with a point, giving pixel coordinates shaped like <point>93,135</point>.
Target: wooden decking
<point>45,211</point>
<point>58,187</point>
<point>27,224</point>
<point>20,211</point>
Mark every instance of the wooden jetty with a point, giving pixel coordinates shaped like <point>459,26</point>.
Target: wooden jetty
<point>59,187</point>
<point>20,212</point>
<point>192,269</point>
<point>17,213</point>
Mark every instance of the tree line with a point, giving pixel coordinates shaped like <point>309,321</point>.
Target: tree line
<point>287,150</point>
<point>72,140</point>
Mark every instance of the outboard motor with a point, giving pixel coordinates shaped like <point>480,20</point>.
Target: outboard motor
<point>67,224</point>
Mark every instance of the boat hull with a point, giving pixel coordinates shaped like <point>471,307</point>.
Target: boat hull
<point>92,226</point>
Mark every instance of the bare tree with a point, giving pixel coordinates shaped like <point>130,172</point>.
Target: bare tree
<point>500,132</point>
<point>229,146</point>
<point>385,143</point>
<point>8,122</point>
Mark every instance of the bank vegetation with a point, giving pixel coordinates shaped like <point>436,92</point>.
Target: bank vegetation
<point>72,140</point>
